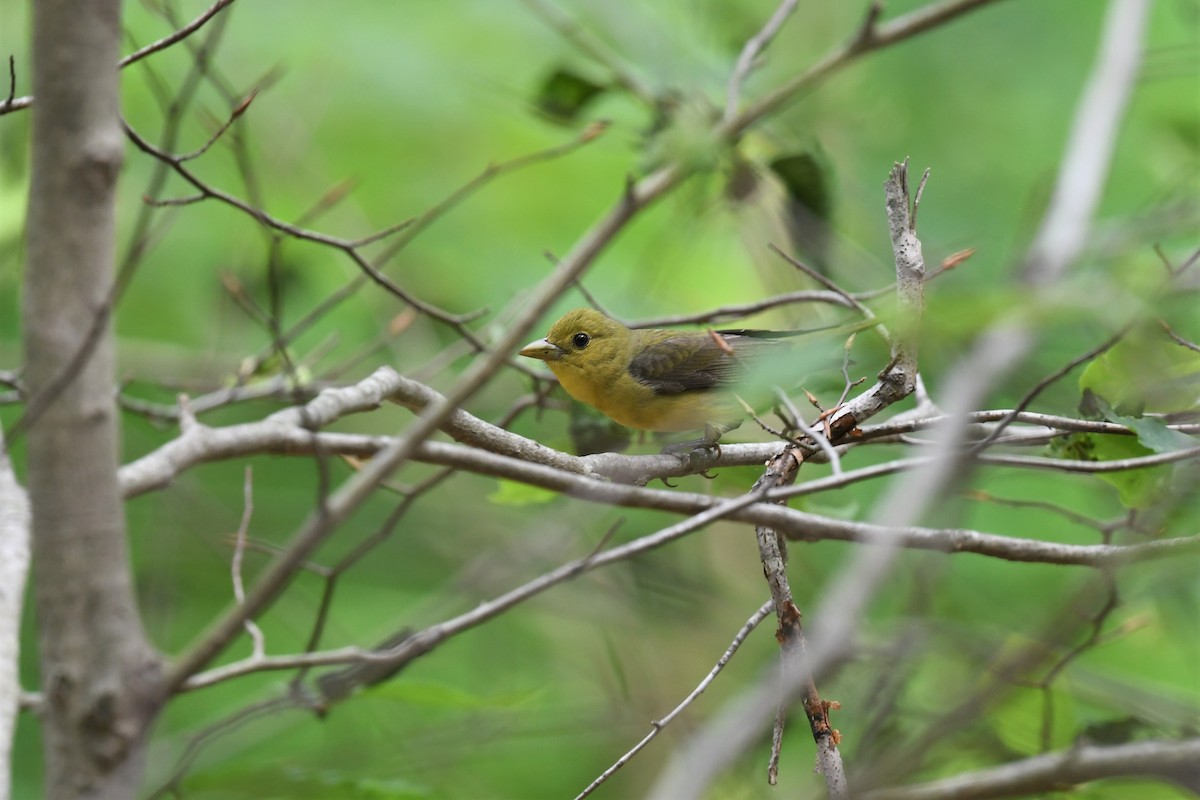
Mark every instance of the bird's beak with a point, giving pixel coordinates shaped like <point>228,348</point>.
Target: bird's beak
<point>542,350</point>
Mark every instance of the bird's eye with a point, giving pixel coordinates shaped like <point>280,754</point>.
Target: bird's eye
<point>580,340</point>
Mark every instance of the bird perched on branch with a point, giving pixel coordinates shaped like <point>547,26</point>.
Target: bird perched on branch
<point>656,380</point>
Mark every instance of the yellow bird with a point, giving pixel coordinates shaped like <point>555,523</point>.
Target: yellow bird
<point>654,380</point>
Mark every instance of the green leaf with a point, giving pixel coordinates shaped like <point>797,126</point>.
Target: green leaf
<point>1152,433</point>
<point>1145,372</point>
<point>806,178</point>
<point>1113,731</point>
<point>1138,488</point>
<point>564,94</point>
<point>790,191</point>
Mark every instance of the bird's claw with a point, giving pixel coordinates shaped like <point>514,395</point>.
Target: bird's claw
<point>694,453</point>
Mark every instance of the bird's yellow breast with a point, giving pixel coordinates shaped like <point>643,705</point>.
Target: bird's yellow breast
<point>632,404</point>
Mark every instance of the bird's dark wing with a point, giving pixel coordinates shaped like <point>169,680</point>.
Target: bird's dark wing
<point>770,335</point>
<point>696,362</point>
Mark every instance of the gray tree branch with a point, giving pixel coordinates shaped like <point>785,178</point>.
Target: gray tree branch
<point>590,478</point>
<point>1175,761</point>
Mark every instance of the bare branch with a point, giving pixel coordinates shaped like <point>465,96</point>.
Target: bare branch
<point>263,663</point>
<point>1045,422</point>
<point>281,434</point>
<point>1084,169</point>
<point>235,566</point>
<point>750,53</point>
<point>1038,387</point>
<point>1095,467</point>
<point>422,642</point>
<point>296,232</point>
<point>409,229</point>
<point>197,743</point>
<point>292,431</point>
<point>490,173</point>
<point>574,33</point>
<point>870,37</point>
<point>176,37</point>
<point>658,725</point>
<point>1050,772</point>
<point>16,104</point>
<point>12,85</point>
<point>742,310</point>
<point>813,435</point>
<point>910,271</point>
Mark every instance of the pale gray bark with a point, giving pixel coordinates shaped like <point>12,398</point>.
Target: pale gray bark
<point>99,677</point>
<point>14,566</point>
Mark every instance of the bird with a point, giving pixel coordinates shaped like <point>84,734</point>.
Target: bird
<point>665,381</point>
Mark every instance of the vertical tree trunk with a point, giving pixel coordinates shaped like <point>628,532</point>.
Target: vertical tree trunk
<point>99,677</point>
<point>14,565</point>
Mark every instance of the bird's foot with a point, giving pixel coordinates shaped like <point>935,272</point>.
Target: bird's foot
<point>695,454</point>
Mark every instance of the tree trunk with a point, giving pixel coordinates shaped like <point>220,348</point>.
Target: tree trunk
<point>14,565</point>
<point>99,677</point>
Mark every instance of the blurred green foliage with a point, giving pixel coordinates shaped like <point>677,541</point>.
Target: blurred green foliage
<point>410,101</point>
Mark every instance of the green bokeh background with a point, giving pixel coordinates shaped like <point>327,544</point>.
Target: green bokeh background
<point>412,100</point>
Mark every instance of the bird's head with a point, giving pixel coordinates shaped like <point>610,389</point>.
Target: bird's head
<point>582,339</point>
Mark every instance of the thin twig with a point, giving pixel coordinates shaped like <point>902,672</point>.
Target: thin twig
<point>835,461</point>
<point>12,85</point>
<point>870,37</point>
<point>178,36</point>
<point>422,642</point>
<point>1041,385</point>
<point>237,112</point>
<point>591,46</point>
<point>750,53</point>
<point>742,310</point>
<point>658,725</point>
<point>412,227</point>
<point>1177,339</point>
<point>235,567</point>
